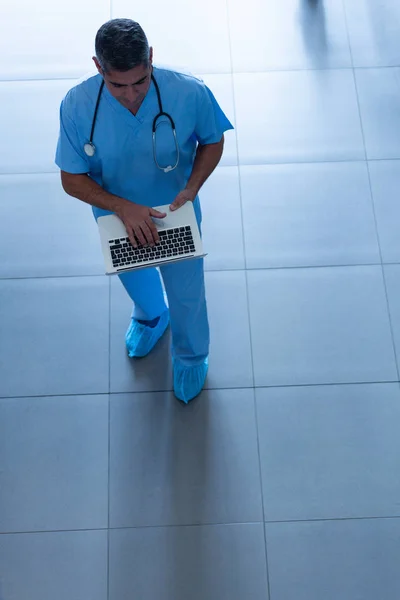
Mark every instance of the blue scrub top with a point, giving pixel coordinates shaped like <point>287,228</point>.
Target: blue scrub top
<point>123,163</point>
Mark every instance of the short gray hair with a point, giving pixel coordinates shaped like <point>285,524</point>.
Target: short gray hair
<point>121,44</point>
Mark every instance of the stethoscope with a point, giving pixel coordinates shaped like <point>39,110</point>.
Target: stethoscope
<point>90,149</point>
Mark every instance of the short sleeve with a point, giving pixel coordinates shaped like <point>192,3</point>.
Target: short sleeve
<point>211,122</point>
<point>70,157</point>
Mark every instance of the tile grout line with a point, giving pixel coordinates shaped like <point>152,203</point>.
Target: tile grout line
<point>334,519</point>
<point>240,197</point>
<point>208,524</point>
<point>262,493</point>
<point>109,414</point>
<point>257,429</point>
<point>240,193</point>
<point>202,73</point>
<point>235,270</point>
<point>367,164</point>
<point>167,391</point>
<point>371,194</point>
<point>248,304</point>
<point>237,143</point>
<point>109,436</point>
<point>384,280</point>
<point>239,163</point>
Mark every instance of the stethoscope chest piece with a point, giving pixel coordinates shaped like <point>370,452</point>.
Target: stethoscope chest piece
<point>89,149</point>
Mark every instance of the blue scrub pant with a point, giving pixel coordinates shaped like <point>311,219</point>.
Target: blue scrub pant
<point>184,285</point>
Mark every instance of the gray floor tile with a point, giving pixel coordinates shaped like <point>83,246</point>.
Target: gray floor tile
<point>178,465</point>
<point>288,35</point>
<point>215,562</point>
<point>54,463</point>
<point>330,451</point>
<point>283,117</point>
<point>308,215</point>
<point>50,26</point>
<point>350,560</point>
<point>374,32</point>
<point>392,278</point>
<point>62,565</point>
<point>230,352</point>
<point>57,234</point>
<point>29,137</point>
<point>323,325</point>
<point>378,92</point>
<point>221,86</point>
<point>385,183</point>
<point>182,49</point>
<point>222,221</point>
<point>54,336</point>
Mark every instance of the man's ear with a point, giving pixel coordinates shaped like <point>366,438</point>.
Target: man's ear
<point>98,67</point>
<point>151,56</point>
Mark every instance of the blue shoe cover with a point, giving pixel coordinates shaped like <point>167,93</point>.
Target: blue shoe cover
<point>189,381</point>
<point>141,339</point>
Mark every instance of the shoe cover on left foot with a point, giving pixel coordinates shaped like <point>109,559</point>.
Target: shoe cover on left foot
<point>141,339</point>
<point>189,381</point>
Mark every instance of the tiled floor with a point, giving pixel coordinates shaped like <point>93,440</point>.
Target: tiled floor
<point>281,482</point>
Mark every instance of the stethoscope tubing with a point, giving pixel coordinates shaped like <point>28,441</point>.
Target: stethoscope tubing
<point>90,148</point>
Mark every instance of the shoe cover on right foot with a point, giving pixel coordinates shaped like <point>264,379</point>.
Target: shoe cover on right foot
<point>189,381</point>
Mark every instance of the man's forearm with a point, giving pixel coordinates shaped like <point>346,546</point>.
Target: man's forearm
<point>207,158</point>
<point>86,189</point>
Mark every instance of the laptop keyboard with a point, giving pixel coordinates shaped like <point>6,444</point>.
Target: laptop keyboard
<point>174,243</point>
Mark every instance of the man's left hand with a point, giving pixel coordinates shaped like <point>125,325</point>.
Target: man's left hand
<point>183,197</point>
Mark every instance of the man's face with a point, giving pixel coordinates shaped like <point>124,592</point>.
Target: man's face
<point>128,87</point>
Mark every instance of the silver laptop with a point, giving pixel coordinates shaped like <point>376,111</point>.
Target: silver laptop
<point>179,240</point>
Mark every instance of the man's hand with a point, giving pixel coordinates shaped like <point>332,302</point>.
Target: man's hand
<point>139,223</point>
<point>183,197</point>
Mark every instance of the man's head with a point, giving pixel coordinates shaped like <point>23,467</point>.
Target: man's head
<point>124,59</point>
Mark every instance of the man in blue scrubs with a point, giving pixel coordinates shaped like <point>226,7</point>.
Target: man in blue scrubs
<point>123,178</point>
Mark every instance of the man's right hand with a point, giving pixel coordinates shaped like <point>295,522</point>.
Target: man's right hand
<point>136,218</point>
<point>139,224</point>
